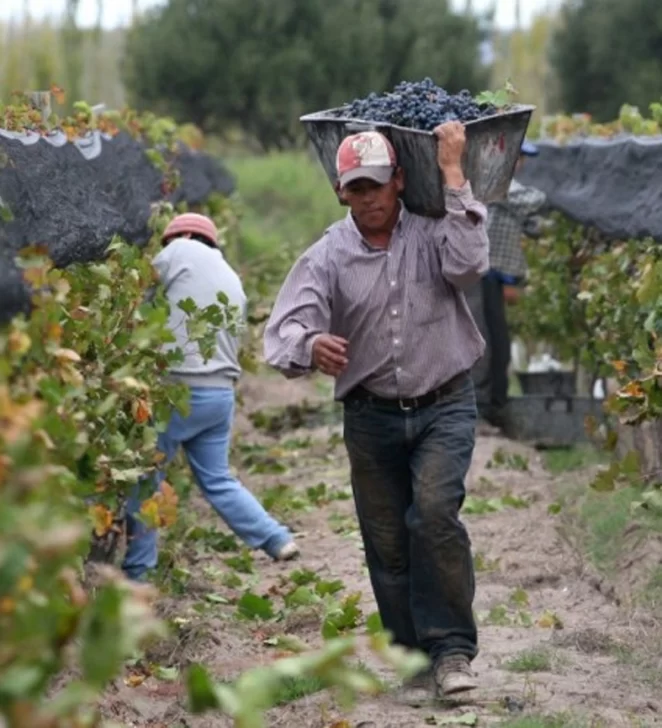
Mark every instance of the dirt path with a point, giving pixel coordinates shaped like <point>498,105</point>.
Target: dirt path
<point>551,643</point>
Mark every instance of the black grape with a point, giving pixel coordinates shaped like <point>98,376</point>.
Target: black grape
<point>416,105</point>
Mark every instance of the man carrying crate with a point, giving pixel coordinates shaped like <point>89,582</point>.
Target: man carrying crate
<point>378,304</point>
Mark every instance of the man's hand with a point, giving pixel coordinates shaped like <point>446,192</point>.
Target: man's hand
<point>451,141</point>
<point>511,294</point>
<point>330,354</point>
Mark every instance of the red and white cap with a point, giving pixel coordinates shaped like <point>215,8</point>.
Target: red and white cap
<point>367,155</point>
<point>190,223</point>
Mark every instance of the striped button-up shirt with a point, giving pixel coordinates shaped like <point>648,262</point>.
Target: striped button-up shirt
<point>401,309</point>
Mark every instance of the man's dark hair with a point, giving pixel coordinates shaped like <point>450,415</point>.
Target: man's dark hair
<point>193,236</point>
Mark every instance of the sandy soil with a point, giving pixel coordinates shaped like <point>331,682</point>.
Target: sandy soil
<point>538,604</point>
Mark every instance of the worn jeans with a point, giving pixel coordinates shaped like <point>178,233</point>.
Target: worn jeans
<point>205,436</point>
<point>408,470</point>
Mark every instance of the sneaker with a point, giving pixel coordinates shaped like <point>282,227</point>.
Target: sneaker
<point>287,552</point>
<point>453,674</point>
<point>417,691</point>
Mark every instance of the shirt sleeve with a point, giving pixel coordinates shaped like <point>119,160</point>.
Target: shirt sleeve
<point>169,265</point>
<point>462,236</point>
<point>301,312</point>
<point>526,201</point>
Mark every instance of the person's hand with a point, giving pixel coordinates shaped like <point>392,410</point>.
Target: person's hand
<point>451,140</point>
<point>511,294</point>
<point>330,354</point>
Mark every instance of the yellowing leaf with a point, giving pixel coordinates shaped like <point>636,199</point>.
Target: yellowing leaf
<point>102,519</point>
<point>36,276</point>
<point>25,583</point>
<point>549,620</point>
<point>133,681</point>
<point>141,411</point>
<point>58,94</point>
<point>71,375</point>
<point>632,389</point>
<point>69,355</point>
<point>19,342</point>
<point>7,605</point>
<point>168,504</point>
<point>619,366</point>
<point>149,512</point>
<point>54,332</point>
<point>160,511</point>
<point>5,462</point>
<point>15,418</point>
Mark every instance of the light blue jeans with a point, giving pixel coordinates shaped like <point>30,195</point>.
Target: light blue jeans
<point>205,436</point>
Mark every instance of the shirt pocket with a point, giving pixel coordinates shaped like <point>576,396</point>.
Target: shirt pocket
<point>426,302</point>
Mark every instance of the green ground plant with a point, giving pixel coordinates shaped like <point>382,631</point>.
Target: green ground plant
<point>82,398</point>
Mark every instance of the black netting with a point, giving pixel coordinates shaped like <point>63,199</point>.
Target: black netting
<point>614,185</point>
<point>75,203</point>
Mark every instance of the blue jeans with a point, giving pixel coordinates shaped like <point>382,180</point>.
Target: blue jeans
<point>205,435</point>
<point>408,470</point>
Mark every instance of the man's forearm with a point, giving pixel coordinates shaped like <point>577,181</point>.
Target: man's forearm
<point>453,176</point>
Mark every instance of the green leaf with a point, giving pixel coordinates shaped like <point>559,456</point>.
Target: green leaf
<point>101,654</point>
<point>374,624</point>
<point>202,694</point>
<point>329,630</point>
<point>20,681</point>
<point>12,566</point>
<point>252,606</point>
<point>187,305</point>
<point>287,642</point>
<point>301,577</point>
<point>630,464</point>
<point>302,596</point>
<point>169,674</point>
<point>464,719</point>
<point>605,481</point>
<point>329,587</point>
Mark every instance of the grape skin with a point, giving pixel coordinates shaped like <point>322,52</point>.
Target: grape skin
<point>416,105</point>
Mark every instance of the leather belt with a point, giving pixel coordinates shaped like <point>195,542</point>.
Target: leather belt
<point>412,403</point>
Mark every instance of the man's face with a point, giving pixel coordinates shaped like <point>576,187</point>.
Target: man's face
<point>373,205</point>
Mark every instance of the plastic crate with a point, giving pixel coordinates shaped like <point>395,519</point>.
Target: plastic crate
<point>550,421</point>
<point>555,384</point>
<point>492,150</point>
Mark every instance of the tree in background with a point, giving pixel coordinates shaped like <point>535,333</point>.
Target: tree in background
<point>258,65</point>
<point>607,52</point>
<point>35,54</point>
<point>522,55</point>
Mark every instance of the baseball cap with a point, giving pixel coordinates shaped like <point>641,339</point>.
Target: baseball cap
<point>366,155</point>
<point>529,149</point>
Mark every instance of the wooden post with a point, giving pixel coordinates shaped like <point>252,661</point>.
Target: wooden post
<point>41,100</point>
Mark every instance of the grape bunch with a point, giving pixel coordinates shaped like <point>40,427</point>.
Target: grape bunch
<point>416,105</point>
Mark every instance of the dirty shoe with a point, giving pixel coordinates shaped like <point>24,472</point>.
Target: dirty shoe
<point>453,674</point>
<point>287,552</point>
<point>416,691</point>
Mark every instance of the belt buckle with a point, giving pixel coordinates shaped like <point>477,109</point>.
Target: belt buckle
<point>406,409</point>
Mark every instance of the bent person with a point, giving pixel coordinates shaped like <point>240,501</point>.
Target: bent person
<point>191,265</point>
<point>377,303</point>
